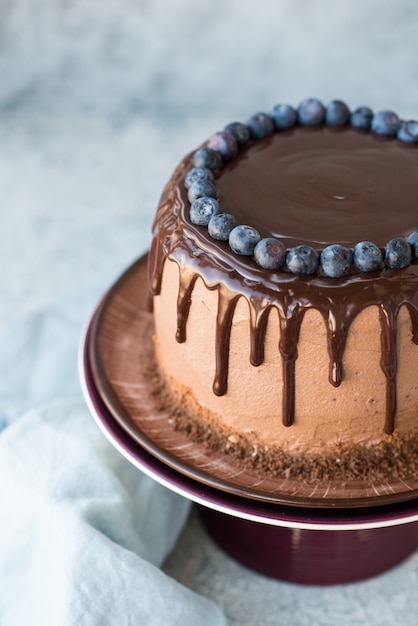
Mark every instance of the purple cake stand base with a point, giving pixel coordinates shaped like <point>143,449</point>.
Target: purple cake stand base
<point>311,557</point>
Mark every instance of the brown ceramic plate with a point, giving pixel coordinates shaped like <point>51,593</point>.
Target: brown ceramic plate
<point>120,347</point>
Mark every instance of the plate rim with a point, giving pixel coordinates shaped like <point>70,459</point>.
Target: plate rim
<point>113,405</point>
<point>302,518</point>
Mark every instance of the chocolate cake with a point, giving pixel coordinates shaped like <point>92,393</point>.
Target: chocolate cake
<point>284,283</point>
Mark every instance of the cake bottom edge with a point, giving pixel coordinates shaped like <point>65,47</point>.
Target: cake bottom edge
<point>394,457</point>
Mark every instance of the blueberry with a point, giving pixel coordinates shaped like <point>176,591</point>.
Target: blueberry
<point>239,131</point>
<point>398,253</point>
<point>270,253</point>
<point>225,144</point>
<point>302,260</point>
<point>260,125</point>
<point>408,132</point>
<point>412,239</point>
<point>202,210</point>
<point>201,188</point>
<point>243,239</point>
<point>336,260</point>
<point>385,123</point>
<point>220,226</point>
<point>284,116</point>
<point>311,112</point>
<point>367,257</point>
<point>361,117</point>
<point>205,157</point>
<point>337,113</point>
<point>197,174</point>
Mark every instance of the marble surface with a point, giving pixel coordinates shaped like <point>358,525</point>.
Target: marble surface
<point>98,102</point>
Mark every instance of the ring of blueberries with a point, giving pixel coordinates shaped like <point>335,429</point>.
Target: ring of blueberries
<point>269,253</point>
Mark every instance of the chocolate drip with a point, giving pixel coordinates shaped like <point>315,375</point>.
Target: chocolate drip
<point>155,270</point>
<point>336,343</point>
<point>414,323</point>
<point>389,362</point>
<point>259,318</point>
<point>338,301</point>
<point>162,242</point>
<point>184,300</point>
<point>289,337</point>
<point>338,321</point>
<point>226,308</point>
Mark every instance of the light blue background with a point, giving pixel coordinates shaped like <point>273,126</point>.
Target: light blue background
<point>98,103</point>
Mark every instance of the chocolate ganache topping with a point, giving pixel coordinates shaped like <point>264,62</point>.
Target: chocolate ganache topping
<point>322,185</point>
<point>315,185</point>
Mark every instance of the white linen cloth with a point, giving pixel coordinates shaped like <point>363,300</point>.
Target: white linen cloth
<point>82,532</point>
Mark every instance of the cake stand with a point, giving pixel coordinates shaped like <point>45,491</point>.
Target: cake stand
<point>327,534</point>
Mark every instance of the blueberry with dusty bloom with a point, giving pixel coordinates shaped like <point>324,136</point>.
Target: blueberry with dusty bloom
<point>202,188</point>
<point>361,118</point>
<point>302,260</point>
<point>270,253</point>
<point>385,123</point>
<point>220,226</point>
<point>398,253</point>
<point>311,112</point>
<point>239,131</point>
<point>336,260</point>
<point>243,239</point>
<point>260,125</point>
<point>202,209</point>
<point>197,174</point>
<point>225,144</point>
<point>284,116</point>
<point>337,113</point>
<point>412,239</point>
<point>208,158</point>
<point>408,132</point>
<point>367,257</point>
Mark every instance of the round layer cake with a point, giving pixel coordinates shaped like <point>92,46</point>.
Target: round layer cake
<point>285,292</point>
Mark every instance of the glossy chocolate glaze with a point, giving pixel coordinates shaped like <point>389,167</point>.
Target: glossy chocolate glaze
<point>315,186</point>
<point>302,184</point>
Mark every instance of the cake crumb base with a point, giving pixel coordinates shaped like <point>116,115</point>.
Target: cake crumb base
<point>394,457</point>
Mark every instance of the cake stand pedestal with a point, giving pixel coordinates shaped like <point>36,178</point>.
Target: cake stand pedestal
<point>311,556</point>
<point>301,540</point>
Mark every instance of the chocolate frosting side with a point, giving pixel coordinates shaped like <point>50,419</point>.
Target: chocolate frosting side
<point>314,186</point>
